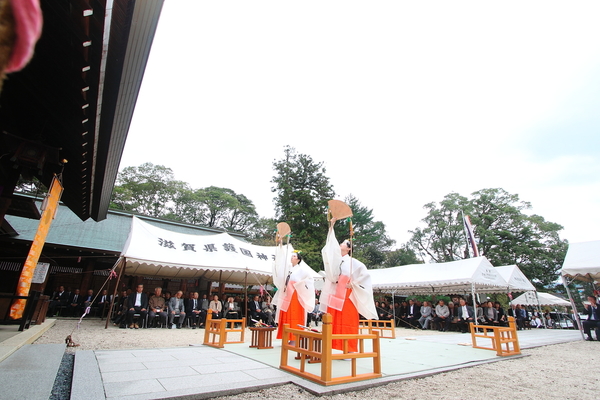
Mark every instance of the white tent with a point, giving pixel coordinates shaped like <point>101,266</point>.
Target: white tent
<point>152,251</point>
<point>582,261</point>
<point>464,276</point>
<point>545,299</point>
<point>516,279</point>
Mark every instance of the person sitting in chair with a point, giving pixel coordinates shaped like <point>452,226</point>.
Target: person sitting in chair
<point>176,307</point>
<point>316,314</point>
<point>256,311</point>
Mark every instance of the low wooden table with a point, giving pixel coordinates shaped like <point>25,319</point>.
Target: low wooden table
<point>262,338</point>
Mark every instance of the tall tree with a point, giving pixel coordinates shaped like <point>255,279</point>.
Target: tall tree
<point>402,256</point>
<point>301,192</point>
<point>146,189</point>
<point>152,190</point>
<point>442,238</point>
<point>504,232</point>
<point>263,232</point>
<point>371,241</point>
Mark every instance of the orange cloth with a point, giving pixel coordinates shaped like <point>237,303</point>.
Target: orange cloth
<point>295,315</point>
<point>345,322</point>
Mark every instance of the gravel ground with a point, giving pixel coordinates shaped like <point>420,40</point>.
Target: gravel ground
<point>563,371</point>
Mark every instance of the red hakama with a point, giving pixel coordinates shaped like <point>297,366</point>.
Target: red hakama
<point>294,316</point>
<point>345,322</point>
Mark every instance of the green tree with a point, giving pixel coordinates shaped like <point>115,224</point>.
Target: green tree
<point>242,216</point>
<point>442,238</point>
<point>371,241</point>
<point>152,190</point>
<point>504,232</point>
<point>187,206</point>
<point>262,233</point>
<point>147,189</point>
<point>301,193</point>
<point>402,256</point>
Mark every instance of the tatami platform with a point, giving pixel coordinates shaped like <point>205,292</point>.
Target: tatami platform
<point>204,372</point>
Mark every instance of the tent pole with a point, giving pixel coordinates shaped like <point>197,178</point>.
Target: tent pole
<point>112,301</point>
<point>565,284</point>
<point>246,289</point>
<point>394,304</point>
<point>474,302</point>
<point>540,310</point>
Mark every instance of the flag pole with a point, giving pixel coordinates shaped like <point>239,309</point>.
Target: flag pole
<point>467,253</point>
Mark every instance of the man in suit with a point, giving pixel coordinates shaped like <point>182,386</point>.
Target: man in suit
<point>74,304</point>
<point>465,315</point>
<point>176,307</point>
<point>194,310</point>
<point>413,313</point>
<point>593,320</point>
<point>59,298</point>
<point>103,302</point>
<point>256,311</point>
<point>137,302</point>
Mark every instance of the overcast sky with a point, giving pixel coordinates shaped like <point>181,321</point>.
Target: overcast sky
<point>404,102</point>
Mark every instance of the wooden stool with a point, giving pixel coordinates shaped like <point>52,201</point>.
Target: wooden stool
<point>262,338</point>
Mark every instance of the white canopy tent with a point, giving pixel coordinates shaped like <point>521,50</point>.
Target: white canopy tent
<point>156,252</point>
<point>462,276</point>
<point>516,279</point>
<point>582,262</point>
<point>545,299</point>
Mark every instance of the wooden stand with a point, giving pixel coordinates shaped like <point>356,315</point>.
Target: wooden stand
<point>315,346</point>
<point>504,339</point>
<point>262,338</point>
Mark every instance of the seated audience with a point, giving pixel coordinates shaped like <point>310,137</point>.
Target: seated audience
<point>120,316</point>
<point>425,315</point>
<point>59,298</point>
<point>441,316</point>
<point>465,315</point>
<point>536,322</point>
<point>593,318</point>
<point>413,314</point>
<point>138,304</point>
<point>256,311</point>
<point>216,308</point>
<point>157,307</point>
<point>88,300</point>
<point>103,302</point>
<point>500,313</point>
<point>176,308</point>
<point>490,315</point>
<point>194,311</point>
<point>269,310</point>
<point>74,304</point>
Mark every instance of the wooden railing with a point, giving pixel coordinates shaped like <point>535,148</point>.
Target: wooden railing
<point>317,346</point>
<point>504,339</point>
<point>379,327</point>
<point>216,330</point>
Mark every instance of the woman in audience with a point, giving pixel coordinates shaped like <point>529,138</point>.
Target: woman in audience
<point>501,315</point>
<point>425,315</point>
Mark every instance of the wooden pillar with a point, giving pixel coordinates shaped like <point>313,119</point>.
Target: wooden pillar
<point>327,330</point>
<point>88,272</point>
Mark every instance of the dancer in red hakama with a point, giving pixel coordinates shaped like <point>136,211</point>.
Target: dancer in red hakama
<point>347,291</point>
<point>295,296</point>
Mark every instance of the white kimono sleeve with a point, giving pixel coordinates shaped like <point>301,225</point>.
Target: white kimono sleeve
<point>281,266</point>
<point>362,290</point>
<point>332,261</point>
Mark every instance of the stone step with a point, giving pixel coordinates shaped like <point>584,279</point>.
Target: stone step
<point>29,372</point>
